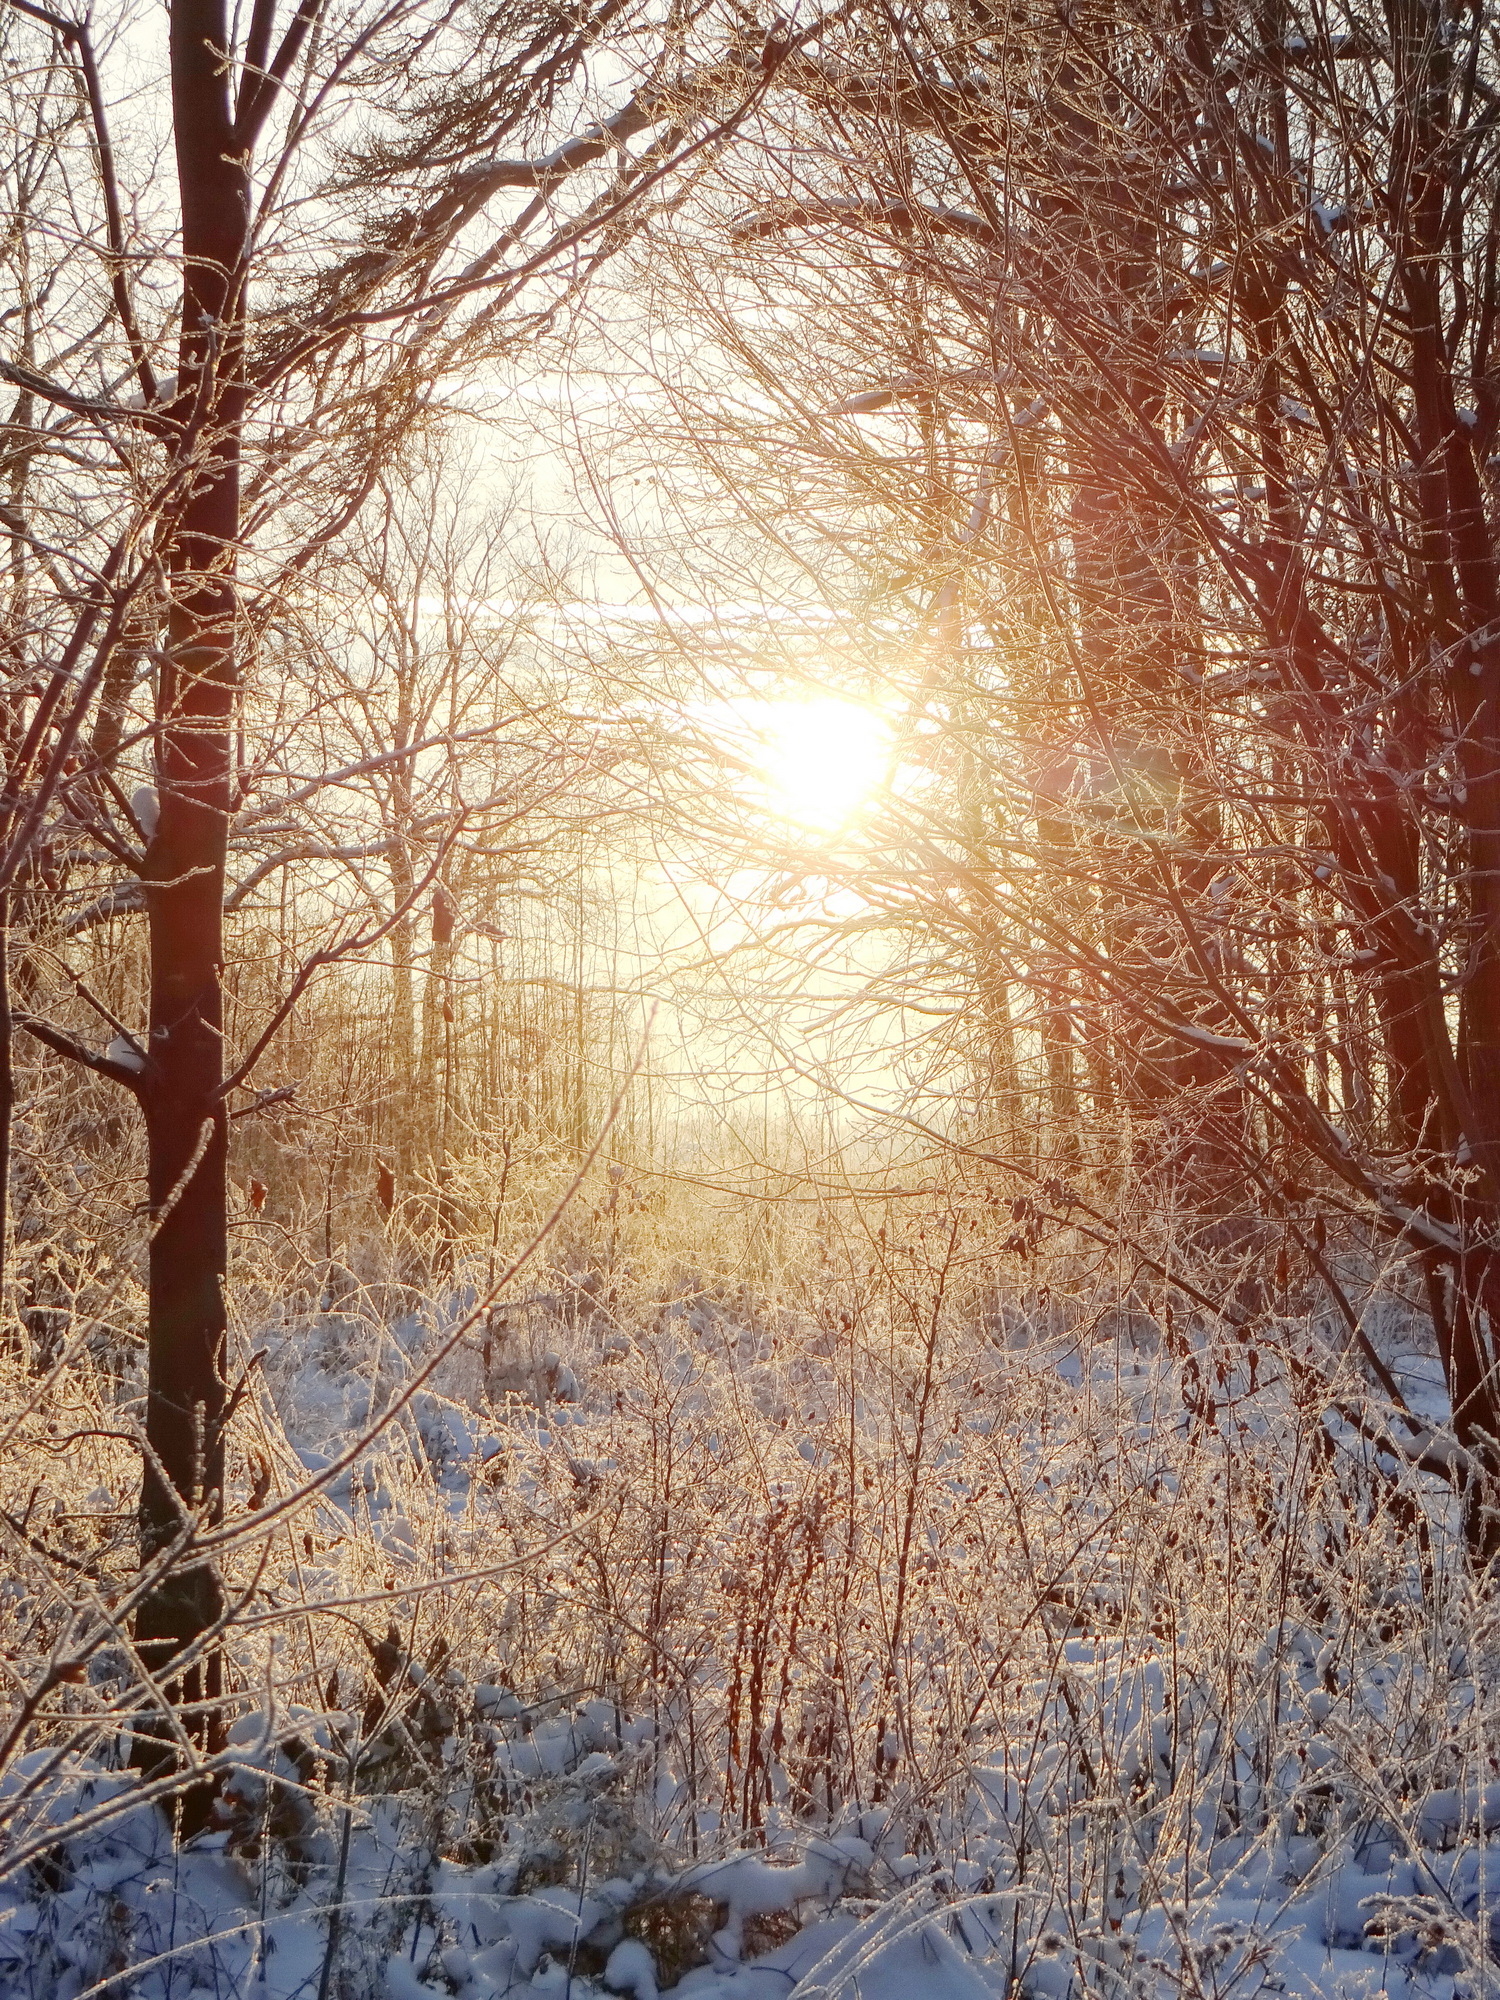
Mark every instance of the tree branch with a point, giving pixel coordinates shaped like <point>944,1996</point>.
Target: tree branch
<point>928,217</point>
<point>259,86</point>
<point>81,406</point>
<point>63,1044</point>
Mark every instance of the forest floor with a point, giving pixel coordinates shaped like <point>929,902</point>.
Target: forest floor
<point>605,1665</point>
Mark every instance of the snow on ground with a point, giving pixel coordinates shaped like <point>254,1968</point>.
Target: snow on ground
<point>870,1918</point>
<point>1128,1840</point>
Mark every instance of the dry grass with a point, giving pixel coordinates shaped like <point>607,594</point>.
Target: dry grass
<point>961,1530</point>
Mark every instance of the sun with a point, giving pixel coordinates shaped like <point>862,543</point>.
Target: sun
<point>822,759</point>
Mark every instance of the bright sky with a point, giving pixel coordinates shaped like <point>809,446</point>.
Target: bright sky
<point>823,759</point>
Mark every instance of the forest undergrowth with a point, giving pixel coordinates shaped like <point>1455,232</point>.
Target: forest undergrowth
<point>876,1593</point>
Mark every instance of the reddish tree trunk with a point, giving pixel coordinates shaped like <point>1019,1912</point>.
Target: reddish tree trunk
<point>185,1113</point>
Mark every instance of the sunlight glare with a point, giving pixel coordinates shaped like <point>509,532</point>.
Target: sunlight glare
<point>822,759</point>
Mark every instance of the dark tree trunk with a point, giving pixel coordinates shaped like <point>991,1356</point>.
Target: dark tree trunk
<point>185,1113</point>
<point>10,1331</point>
<point>1463,584</point>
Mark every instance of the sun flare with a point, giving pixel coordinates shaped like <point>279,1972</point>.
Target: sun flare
<point>822,759</point>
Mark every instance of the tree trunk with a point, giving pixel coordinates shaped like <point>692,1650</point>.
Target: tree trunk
<point>186,1118</point>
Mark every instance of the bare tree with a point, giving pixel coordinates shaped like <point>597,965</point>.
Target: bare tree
<point>214,374</point>
<point>1131,371</point>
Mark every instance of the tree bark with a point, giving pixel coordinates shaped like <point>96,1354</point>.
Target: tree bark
<point>186,1118</point>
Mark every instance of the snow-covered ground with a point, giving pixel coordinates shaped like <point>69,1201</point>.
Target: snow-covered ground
<point>1357,1908</point>
<point>1268,1788</point>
